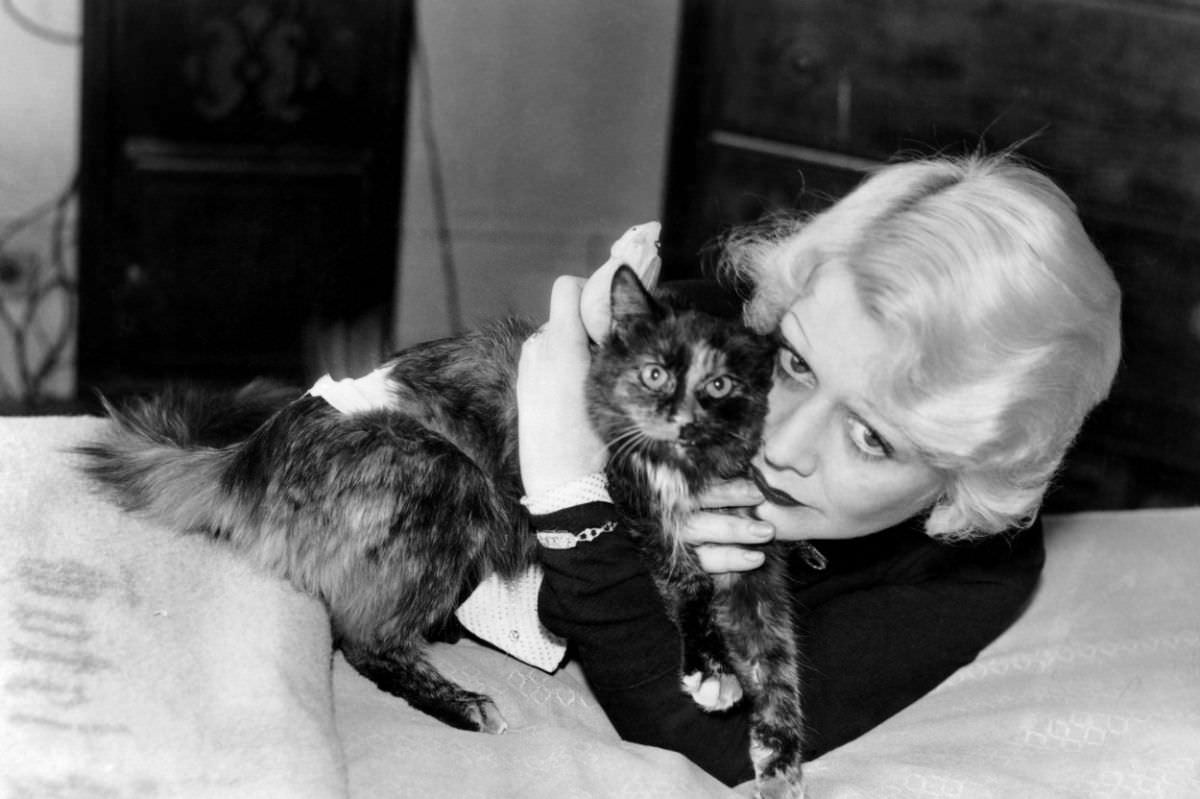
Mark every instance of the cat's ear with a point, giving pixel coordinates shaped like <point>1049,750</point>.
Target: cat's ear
<point>630,300</point>
<point>637,248</point>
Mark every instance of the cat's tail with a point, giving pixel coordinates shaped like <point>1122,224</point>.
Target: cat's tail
<point>166,457</point>
<point>189,416</point>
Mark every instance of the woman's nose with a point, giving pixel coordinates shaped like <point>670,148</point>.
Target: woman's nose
<point>791,438</point>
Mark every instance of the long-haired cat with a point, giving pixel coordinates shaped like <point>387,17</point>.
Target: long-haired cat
<point>392,515</point>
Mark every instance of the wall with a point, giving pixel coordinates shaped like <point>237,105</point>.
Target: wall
<point>39,102</point>
<point>551,120</point>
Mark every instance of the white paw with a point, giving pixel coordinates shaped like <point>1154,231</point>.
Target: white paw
<point>787,784</point>
<point>780,788</point>
<point>759,754</point>
<point>715,692</point>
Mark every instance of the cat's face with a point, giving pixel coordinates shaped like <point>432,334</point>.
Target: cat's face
<point>679,388</point>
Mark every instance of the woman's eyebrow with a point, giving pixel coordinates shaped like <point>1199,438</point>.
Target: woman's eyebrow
<point>799,328</point>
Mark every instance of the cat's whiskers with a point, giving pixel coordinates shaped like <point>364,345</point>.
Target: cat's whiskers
<point>629,430</point>
<point>627,443</point>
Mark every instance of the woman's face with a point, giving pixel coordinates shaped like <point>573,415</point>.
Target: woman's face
<point>833,466</point>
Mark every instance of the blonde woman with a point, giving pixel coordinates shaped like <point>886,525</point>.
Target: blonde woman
<point>944,330</point>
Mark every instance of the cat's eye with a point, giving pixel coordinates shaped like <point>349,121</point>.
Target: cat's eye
<point>867,441</point>
<point>655,377</point>
<point>719,387</point>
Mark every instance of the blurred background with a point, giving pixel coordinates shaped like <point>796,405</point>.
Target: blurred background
<point>214,190</point>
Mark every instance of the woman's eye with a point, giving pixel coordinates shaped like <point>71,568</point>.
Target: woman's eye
<point>654,376</point>
<point>719,387</point>
<point>793,365</point>
<point>867,441</point>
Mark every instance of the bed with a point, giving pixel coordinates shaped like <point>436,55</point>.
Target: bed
<point>135,662</point>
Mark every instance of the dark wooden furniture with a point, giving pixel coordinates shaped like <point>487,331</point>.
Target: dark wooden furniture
<point>788,102</point>
<point>240,183</point>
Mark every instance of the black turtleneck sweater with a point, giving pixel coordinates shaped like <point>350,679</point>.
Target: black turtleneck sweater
<point>890,617</point>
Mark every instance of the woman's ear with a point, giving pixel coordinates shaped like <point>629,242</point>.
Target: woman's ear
<point>637,249</point>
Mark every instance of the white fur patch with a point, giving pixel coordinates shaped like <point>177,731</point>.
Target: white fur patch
<point>669,485</point>
<point>718,692</point>
<point>706,363</point>
<point>677,505</point>
<point>356,395</point>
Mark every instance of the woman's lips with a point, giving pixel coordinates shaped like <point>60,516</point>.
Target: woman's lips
<point>773,495</point>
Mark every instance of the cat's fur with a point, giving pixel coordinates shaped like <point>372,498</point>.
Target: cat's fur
<point>391,516</point>
<point>657,468</point>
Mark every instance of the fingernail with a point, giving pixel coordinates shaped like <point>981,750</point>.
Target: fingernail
<point>762,530</point>
<point>752,557</point>
<point>751,492</point>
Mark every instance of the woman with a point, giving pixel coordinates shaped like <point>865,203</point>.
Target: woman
<point>945,329</point>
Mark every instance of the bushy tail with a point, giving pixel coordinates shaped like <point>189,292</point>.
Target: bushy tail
<point>165,457</point>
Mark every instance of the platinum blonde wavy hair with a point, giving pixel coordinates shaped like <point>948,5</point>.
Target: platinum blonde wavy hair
<point>1005,316</point>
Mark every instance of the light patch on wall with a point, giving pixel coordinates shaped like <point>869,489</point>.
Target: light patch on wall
<point>550,148</point>
<point>39,143</point>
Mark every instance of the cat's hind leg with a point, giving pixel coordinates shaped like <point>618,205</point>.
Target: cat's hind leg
<point>425,519</point>
<point>759,631</point>
<point>406,673</point>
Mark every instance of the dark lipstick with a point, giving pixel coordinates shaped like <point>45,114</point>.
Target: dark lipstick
<point>773,495</point>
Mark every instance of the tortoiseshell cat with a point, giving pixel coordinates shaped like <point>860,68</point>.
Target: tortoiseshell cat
<point>392,515</point>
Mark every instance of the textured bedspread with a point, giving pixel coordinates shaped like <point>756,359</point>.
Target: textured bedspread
<point>135,662</point>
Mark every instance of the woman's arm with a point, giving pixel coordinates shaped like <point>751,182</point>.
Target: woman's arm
<point>599,596</point>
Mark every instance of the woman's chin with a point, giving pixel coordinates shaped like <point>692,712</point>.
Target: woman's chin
<point>800,523</point>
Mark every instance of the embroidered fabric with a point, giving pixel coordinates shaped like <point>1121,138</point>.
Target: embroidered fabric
<point>504,613</point>
<point>589,488</point>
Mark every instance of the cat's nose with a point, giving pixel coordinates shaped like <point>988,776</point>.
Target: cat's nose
<point>683,416</point>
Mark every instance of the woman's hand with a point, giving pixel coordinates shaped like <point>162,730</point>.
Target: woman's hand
<point>556,440</point>
<point>721,539</point>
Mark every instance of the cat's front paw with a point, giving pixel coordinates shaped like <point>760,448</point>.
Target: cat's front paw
<point>718,690</point>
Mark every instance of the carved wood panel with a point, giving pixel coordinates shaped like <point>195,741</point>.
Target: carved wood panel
<point>241,174</point>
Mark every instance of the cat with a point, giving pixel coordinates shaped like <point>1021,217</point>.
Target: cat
<point>737,631</point>
<point>392,515</point>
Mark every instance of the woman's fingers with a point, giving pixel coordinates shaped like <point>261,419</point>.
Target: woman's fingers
<point>557,442</point>
<point>721,541</point>
<point>710,527</point>
<point>564,322</point>
<point>731,494</point>
<point>718,558</point>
